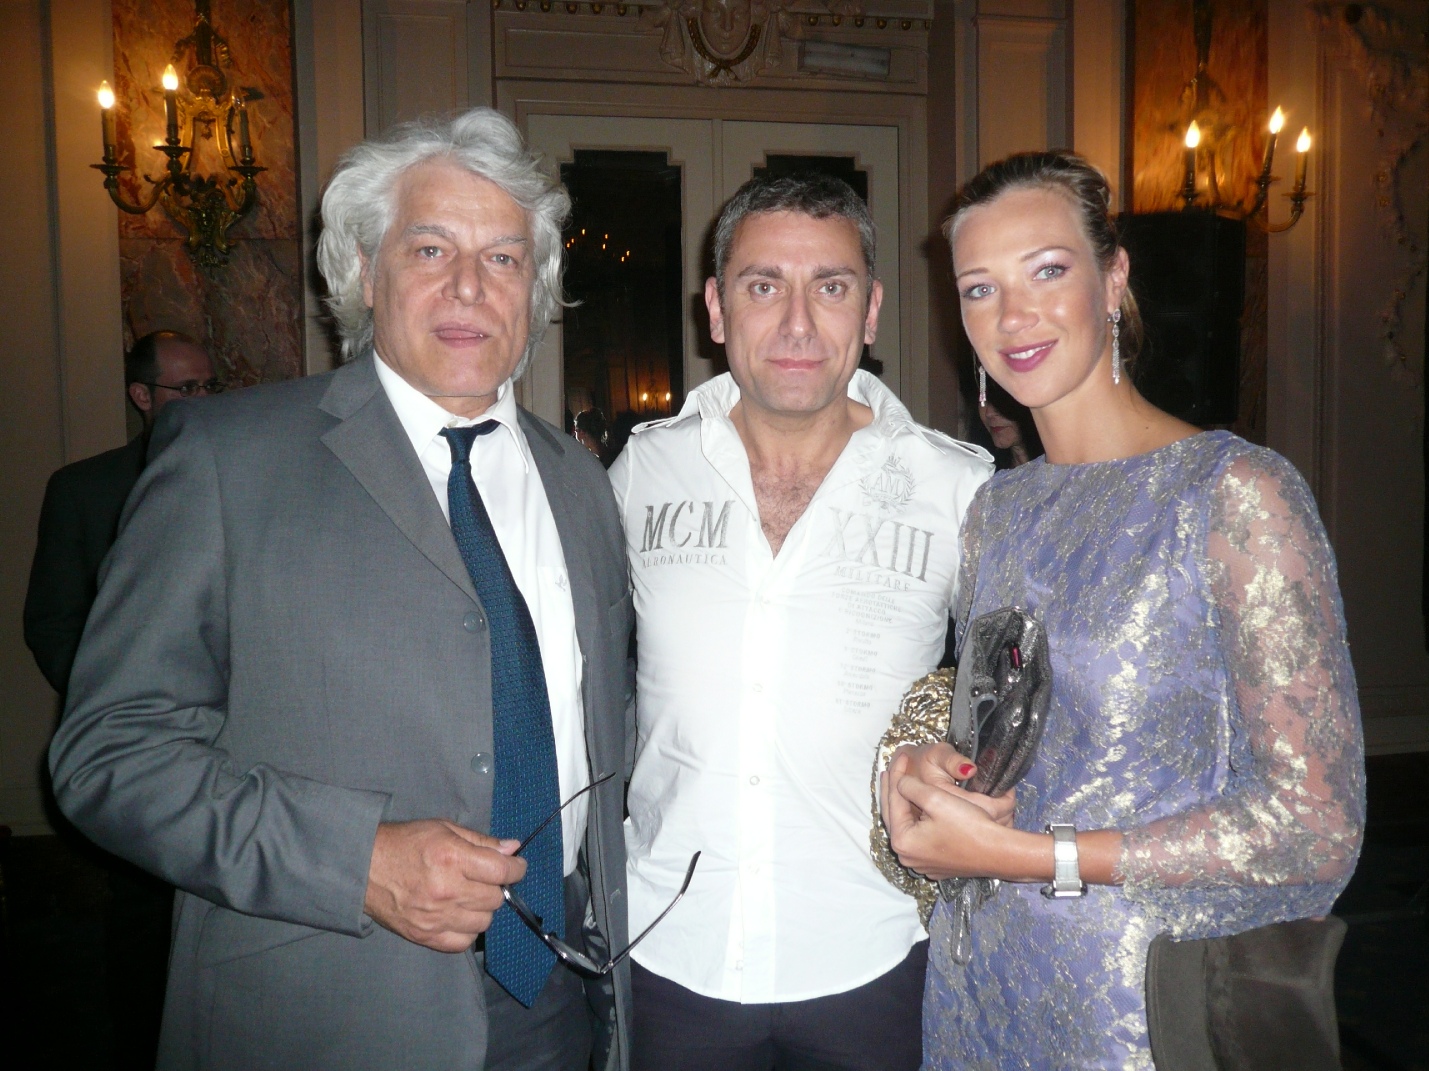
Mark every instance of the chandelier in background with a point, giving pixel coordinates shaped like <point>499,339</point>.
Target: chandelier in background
<point>205,206</point>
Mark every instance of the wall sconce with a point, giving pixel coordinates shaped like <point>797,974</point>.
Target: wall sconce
<point>1206,135</point>
<point>205,206</point>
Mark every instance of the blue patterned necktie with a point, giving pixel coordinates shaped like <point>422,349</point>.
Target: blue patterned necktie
<point>525,788</point>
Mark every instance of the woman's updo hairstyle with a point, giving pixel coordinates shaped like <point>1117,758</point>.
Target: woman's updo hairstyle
<point>1085,187</point>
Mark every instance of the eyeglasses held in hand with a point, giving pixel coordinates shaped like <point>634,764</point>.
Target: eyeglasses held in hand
<point>189,387</point>
<point>564,952</point>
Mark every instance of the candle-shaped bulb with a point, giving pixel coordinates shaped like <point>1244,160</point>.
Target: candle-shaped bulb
<point>1302,146</point>
<point>171,105</point>
<point>1188,185</point>
<point>245,143</point>
<point>1277,123</point>
<point>106,121</point>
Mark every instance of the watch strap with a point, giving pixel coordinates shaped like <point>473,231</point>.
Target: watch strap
<point>1067,872</point>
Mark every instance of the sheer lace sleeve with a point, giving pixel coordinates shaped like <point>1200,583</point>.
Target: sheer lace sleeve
<point>1292,810</point>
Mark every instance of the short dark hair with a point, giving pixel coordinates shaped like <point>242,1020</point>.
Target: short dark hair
<point>808,192</point>
<point>592,422</point>
<point>141,363</point>
<point>1084,185</point>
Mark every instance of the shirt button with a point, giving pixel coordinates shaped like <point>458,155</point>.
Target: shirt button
<point>472,621</point>
<point>754,780</point>
<point>757,688</point>
<point>481,763</point>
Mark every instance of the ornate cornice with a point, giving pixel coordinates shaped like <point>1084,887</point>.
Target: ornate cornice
<point>730,42</point>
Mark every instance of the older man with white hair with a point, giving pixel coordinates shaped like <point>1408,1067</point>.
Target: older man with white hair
<point>359,638</point>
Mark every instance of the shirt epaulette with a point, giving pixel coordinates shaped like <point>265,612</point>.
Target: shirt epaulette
<point>942,438</point>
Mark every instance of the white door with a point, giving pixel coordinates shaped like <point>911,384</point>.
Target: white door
<point>715,158</point>
<point>873,151</point>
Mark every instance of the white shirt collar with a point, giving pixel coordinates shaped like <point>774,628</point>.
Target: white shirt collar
<point>423,419</point>
<point>717,397</point>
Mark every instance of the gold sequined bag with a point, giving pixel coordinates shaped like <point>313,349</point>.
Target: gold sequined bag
<point>922,718</point>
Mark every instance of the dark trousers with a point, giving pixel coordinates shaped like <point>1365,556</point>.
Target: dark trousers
<point>557,1032</point>
<point>876,1027</point>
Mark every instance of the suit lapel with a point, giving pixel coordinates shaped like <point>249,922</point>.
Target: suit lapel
<point>567,508</point>
<point>371,443</point>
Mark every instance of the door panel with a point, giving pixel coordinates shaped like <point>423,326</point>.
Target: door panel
<point>403,36</point>
<point>716,157</point>
<point>687,144</point>
<point>874,150</point>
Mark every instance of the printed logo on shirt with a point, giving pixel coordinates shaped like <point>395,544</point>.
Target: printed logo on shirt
<point>889,489</point>
<point>878,550</point>
<point>686,533</point>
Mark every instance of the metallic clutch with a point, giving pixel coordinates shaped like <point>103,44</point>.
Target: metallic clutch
<point>992,710</point>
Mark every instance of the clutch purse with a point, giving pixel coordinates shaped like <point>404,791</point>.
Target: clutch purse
<point>993,710</point>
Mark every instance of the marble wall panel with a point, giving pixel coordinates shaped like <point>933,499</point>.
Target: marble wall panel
<point>248,310</point>
<point>1161,62</point>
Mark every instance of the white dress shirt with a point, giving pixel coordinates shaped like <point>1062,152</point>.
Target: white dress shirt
<point>511,488</point>
<point>764,686</point>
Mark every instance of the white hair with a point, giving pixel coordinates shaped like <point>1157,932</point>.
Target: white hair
<point>359,205</point>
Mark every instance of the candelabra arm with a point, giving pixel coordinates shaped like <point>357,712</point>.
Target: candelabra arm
<point>248,188</point>
<point>1262,193</point>
<point>111,183</point>
<point>1297,209</point>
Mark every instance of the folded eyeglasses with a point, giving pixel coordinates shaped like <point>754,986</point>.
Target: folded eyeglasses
<point>564,952</point>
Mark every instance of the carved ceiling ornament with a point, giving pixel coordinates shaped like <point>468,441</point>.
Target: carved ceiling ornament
<point>724,41</point>
<point>1387,51</point>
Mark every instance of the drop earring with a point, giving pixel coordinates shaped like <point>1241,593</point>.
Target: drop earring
<point>981,386</point>
<point>1115,319</point>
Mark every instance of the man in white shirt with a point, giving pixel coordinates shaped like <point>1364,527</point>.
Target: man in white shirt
<point>793,544</point>
<point>359,637</point>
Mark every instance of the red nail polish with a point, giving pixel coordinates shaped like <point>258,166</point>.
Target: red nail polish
<point>966,770</point>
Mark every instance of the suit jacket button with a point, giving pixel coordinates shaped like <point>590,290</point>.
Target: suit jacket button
<point>472,621</point>
<point>481,763</point>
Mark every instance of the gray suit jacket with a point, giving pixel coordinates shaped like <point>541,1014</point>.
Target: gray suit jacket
<point>286,650</point>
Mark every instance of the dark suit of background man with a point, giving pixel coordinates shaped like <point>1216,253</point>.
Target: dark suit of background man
<point>330,655</point>
<point>77,524</point>
<point>83,500</point>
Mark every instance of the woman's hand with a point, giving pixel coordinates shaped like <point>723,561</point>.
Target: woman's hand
<point>936,828</point>
<point>941,766</point>
<point>942,831</point>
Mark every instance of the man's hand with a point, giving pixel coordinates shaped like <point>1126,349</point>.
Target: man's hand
<point>437,884</point>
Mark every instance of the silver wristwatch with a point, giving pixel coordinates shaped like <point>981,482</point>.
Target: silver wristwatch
<point>1067,873</point>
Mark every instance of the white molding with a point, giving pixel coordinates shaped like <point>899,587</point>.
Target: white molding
<point>1022,85</point>
<point>86,232</point>
<point>327,37</point>
<point>1295,301</point>
<point>1099,89</point>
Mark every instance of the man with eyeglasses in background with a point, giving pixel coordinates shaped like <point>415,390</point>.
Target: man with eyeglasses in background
<point>78,522</point>
<point>83,501</point>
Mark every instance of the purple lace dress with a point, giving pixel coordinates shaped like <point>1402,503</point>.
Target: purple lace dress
<point>1203,702</point>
